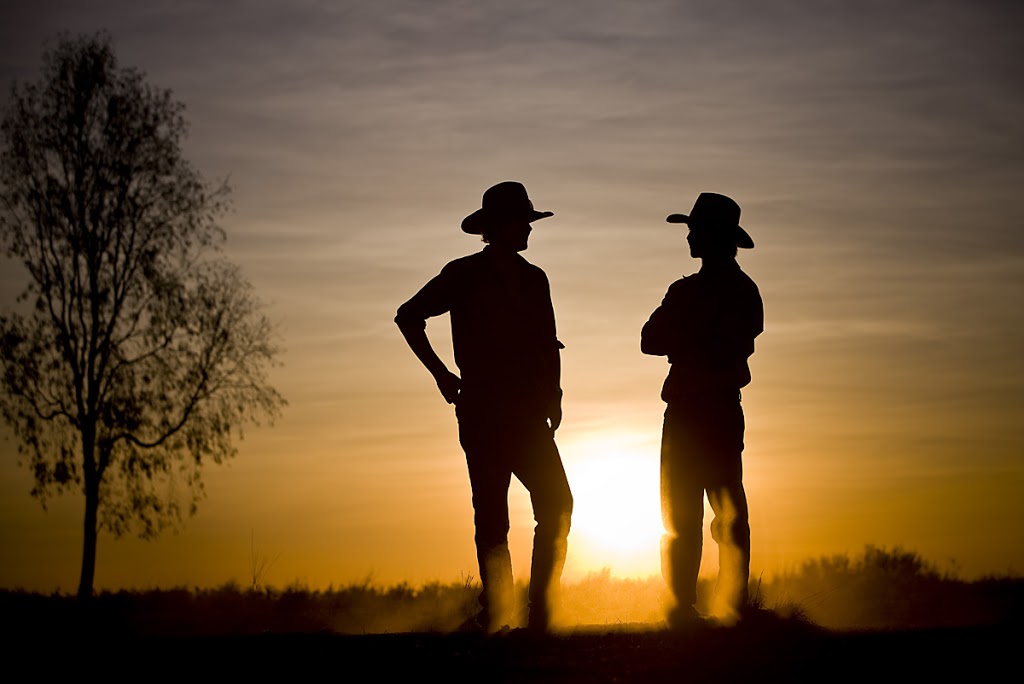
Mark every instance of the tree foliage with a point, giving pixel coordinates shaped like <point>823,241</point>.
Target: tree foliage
<point>137,350</point>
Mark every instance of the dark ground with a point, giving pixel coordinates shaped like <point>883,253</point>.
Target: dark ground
<point>885,617</point>
<point>769,651</point>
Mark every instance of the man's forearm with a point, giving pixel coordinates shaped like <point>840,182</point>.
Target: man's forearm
<point>655,337</point>
<point>416,338</point>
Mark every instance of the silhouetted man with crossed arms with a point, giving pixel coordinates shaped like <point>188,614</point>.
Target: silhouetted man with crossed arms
<point>706,326</point>
<point>508,398</point>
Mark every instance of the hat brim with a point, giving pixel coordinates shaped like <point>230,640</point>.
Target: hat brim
<point>475,223</point>
<point>743,238</point>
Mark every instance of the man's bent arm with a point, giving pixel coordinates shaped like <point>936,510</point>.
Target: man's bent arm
<point>662,334</point>
<point>415,333</point>
<point>658,337</point>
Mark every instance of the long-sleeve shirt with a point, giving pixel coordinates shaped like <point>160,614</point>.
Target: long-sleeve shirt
<point>706,326</point>
<point>503,329</point>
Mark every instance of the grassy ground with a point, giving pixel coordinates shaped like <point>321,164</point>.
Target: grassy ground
<point>882,616</point>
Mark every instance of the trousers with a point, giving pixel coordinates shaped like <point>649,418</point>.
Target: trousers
<point>498,447</point>
<point>701,453</point>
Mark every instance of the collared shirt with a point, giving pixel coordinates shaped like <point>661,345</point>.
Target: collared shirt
<point>503,328</point>
<point>706,326</point>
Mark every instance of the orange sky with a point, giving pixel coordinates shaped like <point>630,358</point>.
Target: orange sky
<point>877,158</point>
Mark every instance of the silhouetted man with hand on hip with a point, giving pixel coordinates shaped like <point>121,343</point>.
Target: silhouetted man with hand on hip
<point>706,326</point>
<point>508,399</point>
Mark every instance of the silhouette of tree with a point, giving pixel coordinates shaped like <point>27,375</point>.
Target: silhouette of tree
<point>137,351</point>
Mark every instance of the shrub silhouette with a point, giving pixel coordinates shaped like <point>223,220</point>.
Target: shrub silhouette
<point>888,588</point>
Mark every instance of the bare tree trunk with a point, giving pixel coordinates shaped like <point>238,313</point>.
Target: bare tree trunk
<point>85,581</point>
<point>92,500</point>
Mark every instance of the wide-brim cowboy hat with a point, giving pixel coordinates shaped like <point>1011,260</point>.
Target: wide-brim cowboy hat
<point>712,211</point>
<point>506,200</point>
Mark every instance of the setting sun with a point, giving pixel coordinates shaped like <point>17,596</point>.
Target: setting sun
<point>617,513</point>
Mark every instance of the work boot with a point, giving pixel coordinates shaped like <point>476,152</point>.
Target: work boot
<point>684,617</point>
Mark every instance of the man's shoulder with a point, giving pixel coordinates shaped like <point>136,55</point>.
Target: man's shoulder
<point>477,264</point>
<point>746,280</point>
<point>474,258</point>
<point>532,269</point>
<point>685,283</point>
<point>465,264</point>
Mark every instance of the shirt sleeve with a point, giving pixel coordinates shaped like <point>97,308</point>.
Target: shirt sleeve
<point>433,299</point>
<point>756,319</point>
<point>659,336</point>
<point>551,313</point>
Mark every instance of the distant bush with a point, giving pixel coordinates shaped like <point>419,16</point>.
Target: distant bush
<point>893,588</point>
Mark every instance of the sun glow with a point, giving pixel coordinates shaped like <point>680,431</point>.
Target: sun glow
<point>617,513</point>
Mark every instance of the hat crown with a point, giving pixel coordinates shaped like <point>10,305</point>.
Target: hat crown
<point>508,196</point>
<point>714,209</point>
